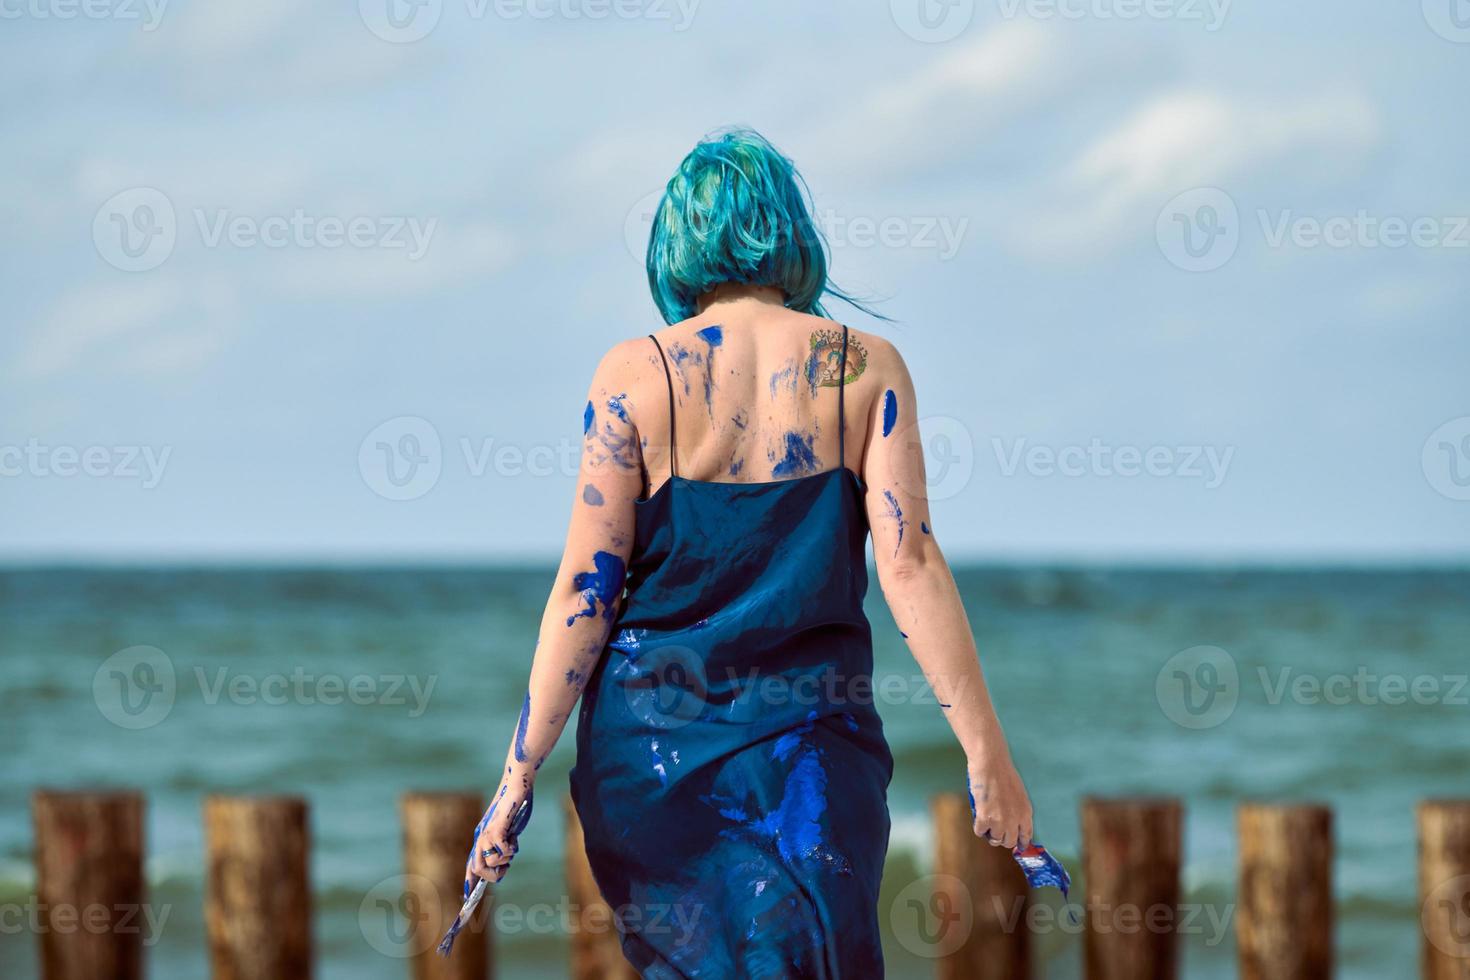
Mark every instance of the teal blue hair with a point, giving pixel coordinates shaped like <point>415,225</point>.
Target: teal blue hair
<point>736,212</point>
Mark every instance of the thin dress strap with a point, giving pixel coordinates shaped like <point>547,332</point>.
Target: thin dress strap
<point>841,419</point>
<point>673,468</point>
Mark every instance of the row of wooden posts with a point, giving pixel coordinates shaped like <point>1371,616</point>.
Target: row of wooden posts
<point>89,851</point>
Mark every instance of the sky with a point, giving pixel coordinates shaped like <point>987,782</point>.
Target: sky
<point>1176,280</point>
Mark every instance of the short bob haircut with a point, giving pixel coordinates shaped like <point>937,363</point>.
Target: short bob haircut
<point>736,212</point>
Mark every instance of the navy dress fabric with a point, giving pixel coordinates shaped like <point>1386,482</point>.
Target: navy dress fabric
<point>731,772</point>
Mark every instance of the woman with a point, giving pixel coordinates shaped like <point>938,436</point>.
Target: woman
<point>731,769</point>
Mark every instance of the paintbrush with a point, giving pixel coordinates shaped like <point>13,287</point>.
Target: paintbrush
<point>518,822</point>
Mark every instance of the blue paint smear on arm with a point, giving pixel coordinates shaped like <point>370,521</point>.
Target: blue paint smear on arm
<point>890,411</point>
<point>925,528</point>
<point>603,584</point>
<point>799,459</point>
<point>521,729</point>
<point>895,512</point>
<point>589,415</point>
<point>591,495</point>
<point>616,406</point>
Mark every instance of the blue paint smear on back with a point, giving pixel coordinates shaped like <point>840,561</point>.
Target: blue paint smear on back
<point>799,459</point>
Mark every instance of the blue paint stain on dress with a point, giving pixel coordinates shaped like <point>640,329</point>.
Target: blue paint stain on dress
<point>601,585</point>
<point>521,729</point>
<point>589,415</point>
<point>798,458</point>
<point>592,495</point>
<point>890,411</point>
<point>771,811</point>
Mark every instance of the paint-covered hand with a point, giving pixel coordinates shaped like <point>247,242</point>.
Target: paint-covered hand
<point>497,837</point>
<point>998,801</point>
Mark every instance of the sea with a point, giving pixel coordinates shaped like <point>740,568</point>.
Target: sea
<point>353,685</point>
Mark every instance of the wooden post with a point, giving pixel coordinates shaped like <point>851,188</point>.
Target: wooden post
<point>597,953</point>
<point>257,900</point>
<point>89,884</point>
<point>1444,888</point>
<point>999,943</point>
<point>1130,858</point>
<point>1283,919</point>
<point>437,833</point>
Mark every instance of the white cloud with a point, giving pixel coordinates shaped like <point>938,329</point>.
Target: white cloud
<point>151,324</point>
<point>1115,186</point>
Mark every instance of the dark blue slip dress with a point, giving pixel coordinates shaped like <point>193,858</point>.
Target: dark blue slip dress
<point>731,773</point>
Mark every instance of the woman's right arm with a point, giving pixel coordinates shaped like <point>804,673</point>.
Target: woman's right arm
<point>921,594</point>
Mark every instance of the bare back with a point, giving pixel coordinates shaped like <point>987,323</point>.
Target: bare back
<point>755,398</point>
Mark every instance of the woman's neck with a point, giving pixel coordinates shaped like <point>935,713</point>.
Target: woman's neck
<point>732,296</point>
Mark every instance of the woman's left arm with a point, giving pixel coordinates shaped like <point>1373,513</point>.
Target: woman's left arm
<point>583,603</point>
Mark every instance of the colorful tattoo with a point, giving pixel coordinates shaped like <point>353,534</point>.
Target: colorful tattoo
<point>825,368</point>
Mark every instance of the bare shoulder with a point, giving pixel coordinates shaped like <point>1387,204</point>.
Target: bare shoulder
<point>870,358</point>
<point>627,363</point>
